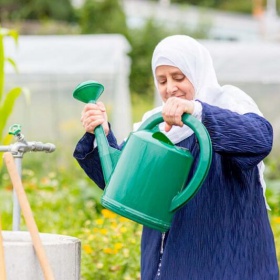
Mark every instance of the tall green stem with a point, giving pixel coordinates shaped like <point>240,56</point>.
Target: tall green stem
<point>2,70</point>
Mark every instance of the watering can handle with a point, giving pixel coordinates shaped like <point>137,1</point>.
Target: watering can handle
<point>204,161</point>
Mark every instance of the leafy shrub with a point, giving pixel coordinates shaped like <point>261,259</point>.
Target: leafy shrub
<point>15,10</point>
<point>105,16</point>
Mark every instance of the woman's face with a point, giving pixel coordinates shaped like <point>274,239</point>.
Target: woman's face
<point>172,82</point>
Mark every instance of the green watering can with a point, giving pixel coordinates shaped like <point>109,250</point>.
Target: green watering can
<point>145,182</point>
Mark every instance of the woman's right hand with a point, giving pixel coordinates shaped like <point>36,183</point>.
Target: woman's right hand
<point>94,115</point>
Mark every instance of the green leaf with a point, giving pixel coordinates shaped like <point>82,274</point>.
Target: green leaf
<point>7,139</point>
<point>2,61</point>
<point>4,32</point>
<point>7,107</point>
<point>12,62</point>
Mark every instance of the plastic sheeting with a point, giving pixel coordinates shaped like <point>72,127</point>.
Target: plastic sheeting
<point>52,66</point>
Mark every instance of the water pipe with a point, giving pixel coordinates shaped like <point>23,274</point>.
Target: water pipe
<point>18,149</point>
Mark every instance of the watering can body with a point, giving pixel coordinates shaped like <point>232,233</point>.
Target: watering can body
<point>145,182</point>
<point>150,172</point>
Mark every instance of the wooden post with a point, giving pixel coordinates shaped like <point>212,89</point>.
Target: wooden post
<point>28,216</point>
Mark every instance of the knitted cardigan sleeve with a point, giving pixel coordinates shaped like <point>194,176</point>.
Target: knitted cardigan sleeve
<point>87,156</point>
<point>245,139</point>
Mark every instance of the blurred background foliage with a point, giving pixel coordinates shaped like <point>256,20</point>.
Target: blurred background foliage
<point>240,6</point>
<point>106,16</point>
<point>15,10</point>
<point>102,17</point>
<point>64,10</point>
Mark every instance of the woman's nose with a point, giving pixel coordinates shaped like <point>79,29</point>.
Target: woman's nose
<point>171,89</point>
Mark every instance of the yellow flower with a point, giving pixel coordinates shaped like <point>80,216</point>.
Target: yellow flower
<point>123,229</point>
<point>114,225</point>
<point>103,231</point>
<point>95,230</point>
<point>87,249</point>
<point>108,214</point>
<point>118,246</point>
<point>277,220</point>
<point>99,221</point>
<point>123,219</point>
<point>109,251</point>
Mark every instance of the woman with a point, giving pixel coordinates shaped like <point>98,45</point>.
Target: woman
<point>224,231</point>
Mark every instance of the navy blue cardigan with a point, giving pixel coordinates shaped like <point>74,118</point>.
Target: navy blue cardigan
<point>224,231</point>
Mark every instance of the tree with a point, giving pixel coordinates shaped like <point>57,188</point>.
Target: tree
<point>143,40</point>
<point>102,16</point>
<point>15,10</point>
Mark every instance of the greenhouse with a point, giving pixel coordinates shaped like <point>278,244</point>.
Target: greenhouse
<point>52,66</point>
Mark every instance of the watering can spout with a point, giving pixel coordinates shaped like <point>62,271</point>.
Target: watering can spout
<point>108,155</point>
<point>89,92</point>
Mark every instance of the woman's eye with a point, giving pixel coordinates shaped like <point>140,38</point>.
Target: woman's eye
<point>161,82</point>
<point>179,78</point>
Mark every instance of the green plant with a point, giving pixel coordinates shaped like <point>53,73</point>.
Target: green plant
<point>111,248</point>
<point>105,16</point>
<point>7,101</point>
<point>143,40</point>
<point>275,224</point>
<point>16,10</point>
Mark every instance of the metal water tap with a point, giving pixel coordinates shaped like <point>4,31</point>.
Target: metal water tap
<point>22,146</point>
<point>18,149</point>
<point>15,130</point>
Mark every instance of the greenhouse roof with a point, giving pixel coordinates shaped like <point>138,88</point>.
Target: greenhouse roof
<point>52,66</point>
<point>234,61</point>
<point>245,61</point>
<point>67,54</point>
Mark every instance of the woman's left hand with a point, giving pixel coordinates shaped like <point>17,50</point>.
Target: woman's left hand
<point>173,110</point>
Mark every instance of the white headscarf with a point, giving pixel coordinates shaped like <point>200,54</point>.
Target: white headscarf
<point>195,62</point>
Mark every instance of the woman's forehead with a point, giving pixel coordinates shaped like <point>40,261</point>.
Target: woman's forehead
<point>163,69</point>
